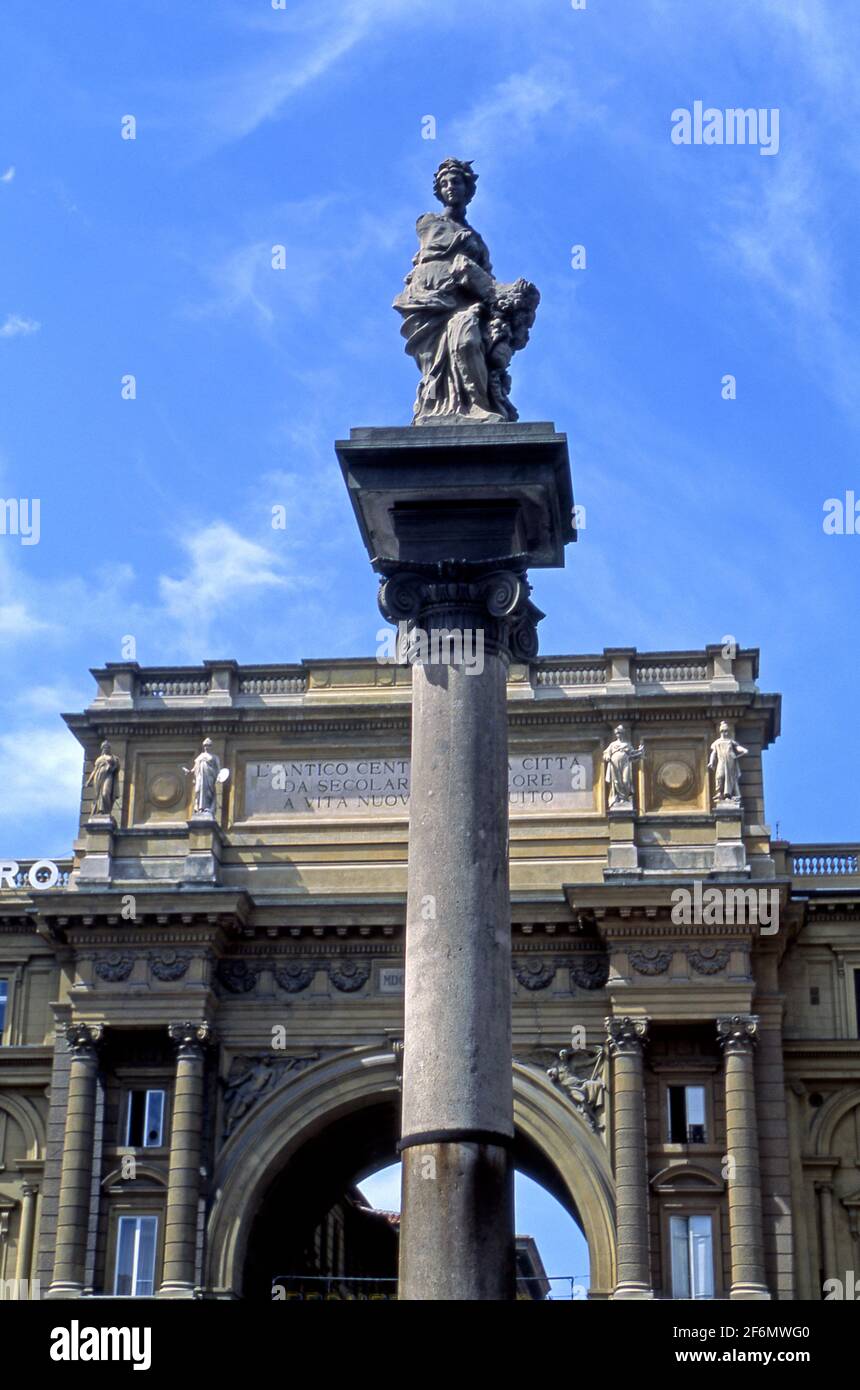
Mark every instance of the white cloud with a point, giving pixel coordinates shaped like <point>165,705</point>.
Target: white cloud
<point>15,326</point>
<point>40,771</point>
<point>224,568</point>
<point>9,175</point>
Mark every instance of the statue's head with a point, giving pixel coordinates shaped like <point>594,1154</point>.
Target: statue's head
<point>620,731</point>
<point>724,729</point>
<point>517,303</point>
<point>454,182</point>
<point>207,744</point>
<point>105,748</point>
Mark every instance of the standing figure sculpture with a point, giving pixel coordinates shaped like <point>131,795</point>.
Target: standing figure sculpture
<point>460,325</point>
<point>207,774</point>
<point>724,764</point>
<point>618,761</point>
<point>104,778</point>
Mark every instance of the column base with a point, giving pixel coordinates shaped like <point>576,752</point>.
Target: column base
<point>623,1291</point>
<point>177,1289</point>
<point>758,1293</point>
<point>64,1290</point>
<point>457,1227</point>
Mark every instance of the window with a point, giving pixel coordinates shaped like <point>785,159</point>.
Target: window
<point>686,1114</point>
<point>144,1127</point>
<point>4,1000</point>
<point>692,1256</point>
<point>135,1256</point>
<point>814,994</point>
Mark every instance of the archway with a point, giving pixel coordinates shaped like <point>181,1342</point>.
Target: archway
<point>338,1119</point>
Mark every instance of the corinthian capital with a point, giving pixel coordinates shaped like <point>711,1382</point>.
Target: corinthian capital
<point>82,1040</point>
<point>737,1032</point>
<point>627,1035</point>
<point>190,1038</point>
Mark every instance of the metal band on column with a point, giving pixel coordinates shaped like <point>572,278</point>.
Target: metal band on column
<point>77,1166</point>
<point>626,1043</point>
<point>737,1035</point>
<point>183,1180</point>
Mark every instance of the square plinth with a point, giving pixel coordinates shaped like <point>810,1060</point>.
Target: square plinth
<point>469,493</point>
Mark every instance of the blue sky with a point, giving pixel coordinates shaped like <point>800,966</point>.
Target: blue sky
<point>303,127</point>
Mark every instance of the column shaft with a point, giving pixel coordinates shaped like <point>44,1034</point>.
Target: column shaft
<point>737,1035</point>
<point>77,1167</point>
<point>183,1179</point>
<point>23,1264</point>
<point>626,1038</point>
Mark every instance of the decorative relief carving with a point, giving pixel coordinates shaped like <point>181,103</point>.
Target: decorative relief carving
<point>708,960</point>
<point>650,960</point>
<point>348,975</point>
<point>250,1078</point>
<point>239,976</point>
<point>676,778</point>
<point>169,965</point>
<point>585,1093</point>
<point>294,975</point>
<point>590,972</point>
<point>114,968</point>
<point>534,973</point>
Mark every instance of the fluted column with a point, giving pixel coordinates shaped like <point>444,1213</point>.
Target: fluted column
<point>77,1167</point>
<point>25,1232</point>
<point>626,1043</point>
<point>737,1036</point>
<point>183,1179</point>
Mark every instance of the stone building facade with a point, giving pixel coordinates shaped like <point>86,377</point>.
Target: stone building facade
<point>202,1013</point>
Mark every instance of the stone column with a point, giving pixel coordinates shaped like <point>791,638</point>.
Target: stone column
<point>457,1236</point>
<point>183,1178</point>
<point>737,1037</point>
<point>626,1043</point>
<point>23,1264</point>
<point>828,1228</point>
<point>77,1166</point>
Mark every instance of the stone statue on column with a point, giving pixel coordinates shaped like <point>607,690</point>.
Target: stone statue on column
<point>618,760</point>
<point>460,324</point>
<point>724,763</point>
<point>103,780</point>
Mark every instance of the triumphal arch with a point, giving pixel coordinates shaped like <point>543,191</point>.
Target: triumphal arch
<point>202,1006</point>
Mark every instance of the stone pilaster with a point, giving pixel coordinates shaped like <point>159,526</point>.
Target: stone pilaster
<point>77,1165</point>
<point>183,1180</point>
<point>626,1043</point>
<point>737,1036</point>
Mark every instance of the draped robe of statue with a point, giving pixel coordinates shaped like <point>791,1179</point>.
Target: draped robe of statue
<point>103,779</point>
<point>446,299</point>
<point>206,769</point>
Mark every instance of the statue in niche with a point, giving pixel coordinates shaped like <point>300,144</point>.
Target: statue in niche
<point>207,773</point>
<point>460,324</point>
<point>725,765</point>
<point>103,779</point>
<point>618,760</point>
